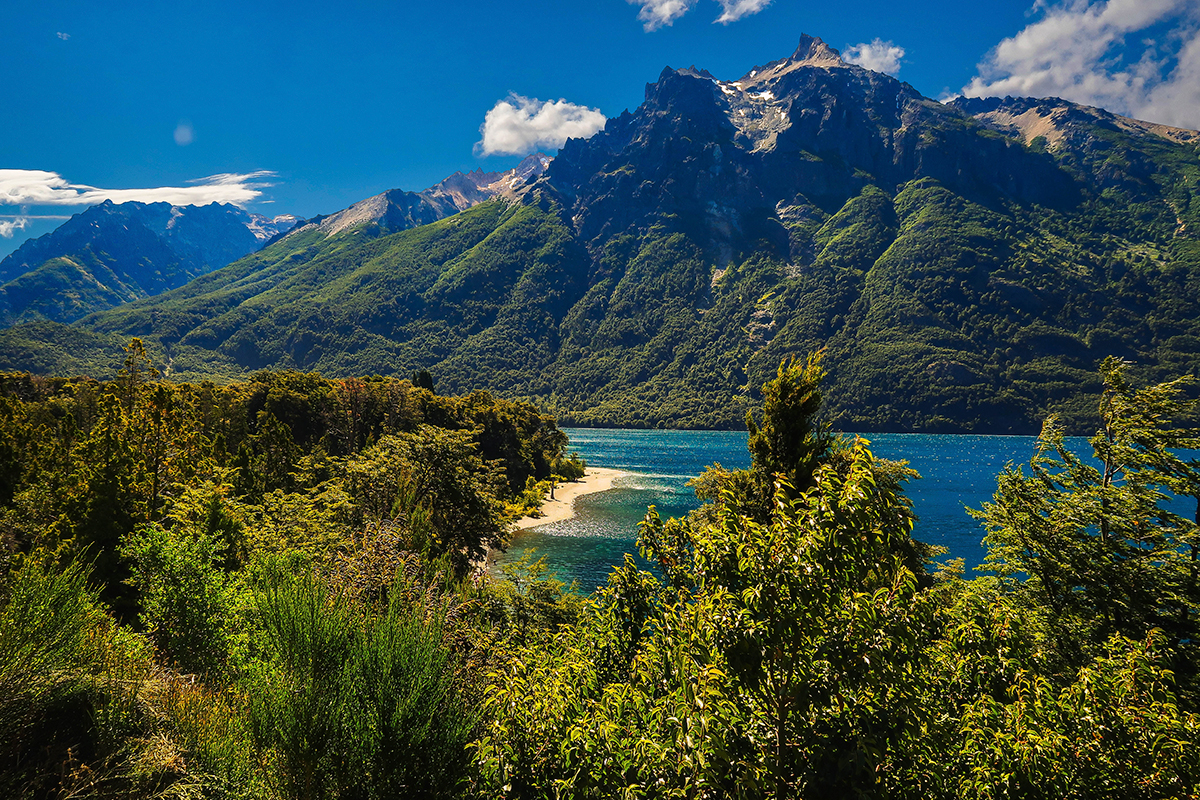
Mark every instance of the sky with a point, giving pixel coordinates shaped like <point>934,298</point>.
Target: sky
<point>305,108</point>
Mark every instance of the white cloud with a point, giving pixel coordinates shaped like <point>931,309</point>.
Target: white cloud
<point>33,187</point>
<point>521,125</point>
<point>876,55</point>
<point>657,13</point>
<point>733,10</point>
<point>63,36</point>
<point>184,134</point>
<point>1077,50</point>
<point>9,226</point>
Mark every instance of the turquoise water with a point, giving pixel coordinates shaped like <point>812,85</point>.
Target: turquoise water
<point>957,472</point>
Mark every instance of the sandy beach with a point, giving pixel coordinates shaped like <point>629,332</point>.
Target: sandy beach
<point>596,479</point>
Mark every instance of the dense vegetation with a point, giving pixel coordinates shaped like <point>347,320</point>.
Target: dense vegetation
<point>261,590</point>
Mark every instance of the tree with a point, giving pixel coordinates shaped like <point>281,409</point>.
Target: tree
<point>136,371</point>
<point>779,658</point>
<point>819,619</point>
<point>1101,552</point>
<point>786,446</point>
<point>441,472</point>
<point>422,380</point>
<point>790,440</point>
<point>186,598</point>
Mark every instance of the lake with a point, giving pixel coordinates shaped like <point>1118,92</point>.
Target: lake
<point>958,471</point>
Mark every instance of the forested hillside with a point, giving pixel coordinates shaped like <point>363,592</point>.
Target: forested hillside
<point>963,273</point>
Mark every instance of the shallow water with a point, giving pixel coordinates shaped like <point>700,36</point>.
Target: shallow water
<point>958,471</point>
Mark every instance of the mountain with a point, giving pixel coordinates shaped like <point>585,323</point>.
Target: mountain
<point>964,265</point>
<point>398,210</point>
<point>110,254</point>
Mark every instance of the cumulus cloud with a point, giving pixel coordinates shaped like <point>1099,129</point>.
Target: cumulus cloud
<point>733,10</point>
<point>520,125</point>
<point>63,36</point>
<point>654,14</point>
<point>10,226</point>
<point>33,187</point>
<point>1080,50</point>
<point>876,55</point>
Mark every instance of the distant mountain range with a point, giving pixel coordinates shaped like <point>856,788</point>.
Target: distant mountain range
<point>114,253</point>
<point>965,265</point>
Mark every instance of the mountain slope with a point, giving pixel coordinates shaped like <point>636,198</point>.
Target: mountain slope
<point>113,254</point>
<point>110,254</point>
<point>961,273</point>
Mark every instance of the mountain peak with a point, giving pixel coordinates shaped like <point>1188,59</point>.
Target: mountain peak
<point>813,50</point>
<point>810,52</point>
<point>397,209</point>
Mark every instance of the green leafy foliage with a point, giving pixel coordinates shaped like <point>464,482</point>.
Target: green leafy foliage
<point>323,630</point>
<point>440,473</point>
<point>283,571</point>
<point>347,704</point>
<point>72,718</point>
<point>185,597</point>
<point>810,654</point>
<point>1099,550</point>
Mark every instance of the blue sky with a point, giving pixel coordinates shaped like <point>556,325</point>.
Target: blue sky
<point>305,108</point>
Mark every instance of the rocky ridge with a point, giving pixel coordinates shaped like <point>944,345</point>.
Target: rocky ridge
<point>397,210</point>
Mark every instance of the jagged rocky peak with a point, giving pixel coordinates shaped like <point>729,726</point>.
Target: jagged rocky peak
<point>813,50</point>
<point>810,52</point>
<point>267,228</point>
<point>463,190</point>
<point>531,167</point>
<point>696,72</point>
<point>808,129</point>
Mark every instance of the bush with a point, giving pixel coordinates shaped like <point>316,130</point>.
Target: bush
<point>46,624</point>
<point>186,600</point>
<point>72,721</point>
<point>348,703</point>
<point>571,468</point>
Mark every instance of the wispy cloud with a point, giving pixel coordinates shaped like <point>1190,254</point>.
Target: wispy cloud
<point>1078,50</point>
<point>876,55</point>
<point>63,36</point>
<point>9,226</point>
<point>733,10</point>
<point>654,14</point>
<point>32,187</point>
<point>521,125</point>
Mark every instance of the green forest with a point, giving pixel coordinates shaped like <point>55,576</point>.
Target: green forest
<point>273,589</point>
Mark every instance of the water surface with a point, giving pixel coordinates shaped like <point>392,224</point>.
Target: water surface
<point>957,471</point>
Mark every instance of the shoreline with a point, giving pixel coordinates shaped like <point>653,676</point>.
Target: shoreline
<point>562,507</point>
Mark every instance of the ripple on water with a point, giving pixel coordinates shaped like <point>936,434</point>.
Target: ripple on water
<point>958,472</point>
